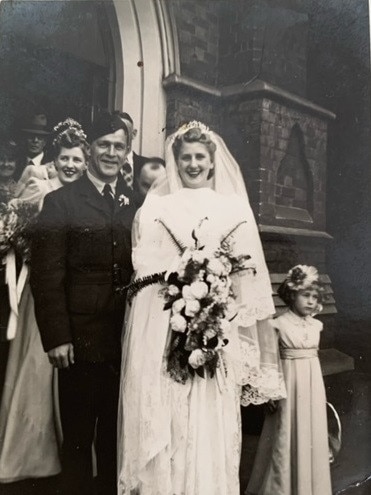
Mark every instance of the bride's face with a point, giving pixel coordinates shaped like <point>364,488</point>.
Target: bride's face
<point>194,165</point>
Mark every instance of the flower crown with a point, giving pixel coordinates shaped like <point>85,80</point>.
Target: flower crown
<point>300,277</point>
<point>190,125</point>
<point>65,126</point>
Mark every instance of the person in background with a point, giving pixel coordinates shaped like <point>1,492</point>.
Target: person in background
<point>8,169</point>
<point>293,455</point>
<point>152,169</point>
<point>71,153</point>
<point>134,162</point>
<point>28,437</point>
<point>35,134</point>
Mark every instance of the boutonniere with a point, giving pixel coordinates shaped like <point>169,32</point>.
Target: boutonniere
<point>124,200</point>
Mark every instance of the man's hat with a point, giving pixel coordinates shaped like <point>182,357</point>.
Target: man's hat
<point>38,124</point>
<point>107,123</point>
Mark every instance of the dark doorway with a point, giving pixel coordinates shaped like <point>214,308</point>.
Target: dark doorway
<point>55,56</point>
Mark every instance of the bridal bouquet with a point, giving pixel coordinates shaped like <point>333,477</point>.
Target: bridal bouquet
<point>16,221</point>
<point>201,300</point>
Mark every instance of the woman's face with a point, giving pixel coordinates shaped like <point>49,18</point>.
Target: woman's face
<point>70,164</point>
<point>7,167</point>
<point>194,165</point>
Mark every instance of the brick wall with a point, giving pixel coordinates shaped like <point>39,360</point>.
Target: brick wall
<point>263,39</point>
<point>198,32</point>
<point>185,104</point>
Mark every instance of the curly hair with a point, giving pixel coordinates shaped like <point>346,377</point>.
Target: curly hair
<point>194,135</point>
<point>69,134</point>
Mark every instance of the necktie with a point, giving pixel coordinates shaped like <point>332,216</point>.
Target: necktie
<point>127,173</point>
<point>108,196</point>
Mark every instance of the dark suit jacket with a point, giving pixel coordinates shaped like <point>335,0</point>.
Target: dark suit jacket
<point>81,254</point>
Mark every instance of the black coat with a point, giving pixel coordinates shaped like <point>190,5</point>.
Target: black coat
<point>81,255</point>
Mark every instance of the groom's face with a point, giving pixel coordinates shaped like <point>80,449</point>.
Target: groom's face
<point>108,155</point>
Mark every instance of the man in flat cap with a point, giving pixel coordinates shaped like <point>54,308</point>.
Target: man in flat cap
<point>81,260</point>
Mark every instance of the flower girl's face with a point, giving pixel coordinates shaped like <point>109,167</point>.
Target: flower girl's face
<point>194,165</point>
<point>305,302</point>
<point>70,164</point>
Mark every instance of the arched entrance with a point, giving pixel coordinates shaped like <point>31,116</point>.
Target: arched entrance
<point>73,57</point>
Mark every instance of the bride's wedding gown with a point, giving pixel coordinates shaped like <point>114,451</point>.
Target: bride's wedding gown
<point>177,439</point>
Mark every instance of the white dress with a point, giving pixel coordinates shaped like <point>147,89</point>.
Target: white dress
<point>28,418</point>
<point>177,439</point>
<point>293,451</point>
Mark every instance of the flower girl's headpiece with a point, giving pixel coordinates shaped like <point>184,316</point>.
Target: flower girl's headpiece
<point>301,277</point>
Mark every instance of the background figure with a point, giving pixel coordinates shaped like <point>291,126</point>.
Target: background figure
<point>152,169</point>
<point>9,159</point>
<point>180,433</point>
<point>81,259</point>
<point>293,455</point>
<point>28,438</point>
<point>71,153</point>
<point>134,162</point>
<point>35,135</point>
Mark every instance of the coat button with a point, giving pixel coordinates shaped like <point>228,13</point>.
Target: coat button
<point>115,265</point>
<point>115,243</point>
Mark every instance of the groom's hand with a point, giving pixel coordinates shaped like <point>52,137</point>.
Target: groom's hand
<point>62,356</point>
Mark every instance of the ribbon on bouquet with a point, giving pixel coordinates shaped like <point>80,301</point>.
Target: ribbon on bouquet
<point>15,289</point>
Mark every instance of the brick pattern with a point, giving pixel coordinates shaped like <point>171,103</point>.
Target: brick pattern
<point>183,106</point>
<point>294,184</point>
<point>260,39</point>
<point>198,32</point>
<point>264,128</point>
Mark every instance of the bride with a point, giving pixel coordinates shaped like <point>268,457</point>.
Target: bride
<point>179,412</point>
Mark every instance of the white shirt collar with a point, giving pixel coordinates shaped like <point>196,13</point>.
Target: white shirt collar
<point>36,160</point>
<point>100,184</point>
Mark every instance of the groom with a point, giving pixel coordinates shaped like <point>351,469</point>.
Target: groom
<point>81,259</point>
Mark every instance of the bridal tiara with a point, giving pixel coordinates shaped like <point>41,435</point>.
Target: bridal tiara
<point>190,125</point>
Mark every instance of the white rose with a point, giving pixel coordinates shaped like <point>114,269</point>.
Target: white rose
<point>192,307</point>
<point>210,278</point>
<point>215,267</point>
<point>178,305</point>
<point>186,292</point>
<point>178,323</point>
<point>199,290</point>
<point>197,358</point>
<point>173,290</point>
<point>209,334</point>
<point>199,257</point>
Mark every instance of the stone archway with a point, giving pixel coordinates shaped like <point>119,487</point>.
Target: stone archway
<point>144,43</point>
<point>114,54</point>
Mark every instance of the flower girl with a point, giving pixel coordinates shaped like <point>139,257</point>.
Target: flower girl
<point>293,451</point>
